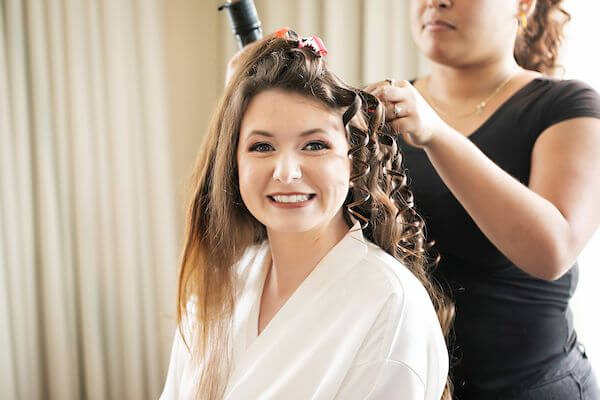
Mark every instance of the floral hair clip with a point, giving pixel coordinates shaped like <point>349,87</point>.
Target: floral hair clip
<point>313,42</point>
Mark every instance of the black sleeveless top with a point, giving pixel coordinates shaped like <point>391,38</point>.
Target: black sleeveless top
<point>509,325</point>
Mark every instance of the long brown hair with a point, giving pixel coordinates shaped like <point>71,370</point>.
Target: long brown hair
<point>538,45</point>
<point>220,228</point>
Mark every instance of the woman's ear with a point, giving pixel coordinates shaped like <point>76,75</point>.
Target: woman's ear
<point>526,7</point>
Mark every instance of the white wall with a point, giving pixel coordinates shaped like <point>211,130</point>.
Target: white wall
<point>581,60</point>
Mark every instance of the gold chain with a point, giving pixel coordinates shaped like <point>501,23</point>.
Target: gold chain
<point>479,108</point>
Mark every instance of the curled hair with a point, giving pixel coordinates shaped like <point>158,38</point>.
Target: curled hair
<point>537,46</point>
<point>219,227</point>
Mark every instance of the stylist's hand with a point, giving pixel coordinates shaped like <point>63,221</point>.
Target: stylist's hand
<point>233,65</point>
<point>407,112</point>
<point>234,62</point>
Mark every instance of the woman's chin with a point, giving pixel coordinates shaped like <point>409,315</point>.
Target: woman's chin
<point>289,227</point>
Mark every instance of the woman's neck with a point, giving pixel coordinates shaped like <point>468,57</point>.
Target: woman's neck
<point>295,255</point>
<point>446,84</point>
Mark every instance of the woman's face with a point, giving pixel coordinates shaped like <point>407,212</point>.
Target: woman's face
<point>293,163</point>
<point>464,32</point>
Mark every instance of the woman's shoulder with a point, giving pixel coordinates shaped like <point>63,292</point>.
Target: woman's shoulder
<point>554,89</point>
<point>556,86</point>
<point>558,99</point>
<point>562,83</point>
<point>406,331</point>
<point>395,273</point>
<point>392,277</point>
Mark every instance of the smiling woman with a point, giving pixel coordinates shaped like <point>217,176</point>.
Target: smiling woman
<point>304,272</point>
<point>296,178</point>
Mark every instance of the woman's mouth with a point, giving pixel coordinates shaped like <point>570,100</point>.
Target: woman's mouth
<point>291,200</point>
<point>437,26</point>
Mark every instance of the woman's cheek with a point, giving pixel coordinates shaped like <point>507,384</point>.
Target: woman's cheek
<point>248,179</point>
<point>338,175</point>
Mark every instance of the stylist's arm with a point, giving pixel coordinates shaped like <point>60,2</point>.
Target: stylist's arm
<point>505,210</point>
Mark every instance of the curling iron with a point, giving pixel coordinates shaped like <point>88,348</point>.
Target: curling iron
<point>244,21</point>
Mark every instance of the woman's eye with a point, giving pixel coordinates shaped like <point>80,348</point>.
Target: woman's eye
<point>316,146</point>
<point>261,147</point>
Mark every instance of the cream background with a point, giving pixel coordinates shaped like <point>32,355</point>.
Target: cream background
<point>102,109</point>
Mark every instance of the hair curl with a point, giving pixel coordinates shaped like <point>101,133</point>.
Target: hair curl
<point>538,45</point>
<point>219,226</point>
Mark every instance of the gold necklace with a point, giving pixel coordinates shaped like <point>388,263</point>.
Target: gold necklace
<point>479,108</point>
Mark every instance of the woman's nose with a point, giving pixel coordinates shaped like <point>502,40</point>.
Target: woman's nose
<point>439,3</point>
<point>287,169</point>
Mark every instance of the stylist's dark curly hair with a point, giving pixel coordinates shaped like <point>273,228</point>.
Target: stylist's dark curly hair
<point>537,46</point>
<point>220,227</point>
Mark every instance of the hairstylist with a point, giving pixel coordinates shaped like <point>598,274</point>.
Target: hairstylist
<point>505,169</point>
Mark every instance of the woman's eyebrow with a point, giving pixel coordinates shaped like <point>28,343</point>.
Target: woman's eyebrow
<point>304,133</point>
<point>312,131</point>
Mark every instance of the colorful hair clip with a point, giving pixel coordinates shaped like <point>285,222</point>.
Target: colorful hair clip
<point>282,32</point>
<point>314,42</point>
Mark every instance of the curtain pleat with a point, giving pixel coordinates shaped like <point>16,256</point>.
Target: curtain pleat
<point>367,40</point>
<point>88,252</point>
<point>17,207</point>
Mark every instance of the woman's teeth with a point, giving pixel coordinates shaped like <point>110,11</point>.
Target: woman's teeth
<point>296,198</point>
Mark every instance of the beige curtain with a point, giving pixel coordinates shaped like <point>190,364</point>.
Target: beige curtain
<point>368,40</point>
<point>88,251</point>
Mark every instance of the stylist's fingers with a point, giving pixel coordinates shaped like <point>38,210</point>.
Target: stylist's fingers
<point>374,86</point>
<point>407,113</point>
<point>396,110</point>
<point>410,130</point>
<point>392,94</point>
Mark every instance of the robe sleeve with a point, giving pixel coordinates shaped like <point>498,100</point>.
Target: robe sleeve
<point>382,380</point>
<point>404,355</point>
<point>179,355</point>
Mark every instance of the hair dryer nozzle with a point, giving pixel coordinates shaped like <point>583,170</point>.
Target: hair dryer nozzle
<point>244,21</point>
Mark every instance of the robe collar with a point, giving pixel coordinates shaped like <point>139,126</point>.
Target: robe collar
<point>247,346</point>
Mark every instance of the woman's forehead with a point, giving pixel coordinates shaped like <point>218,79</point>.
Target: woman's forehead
<point>277,112</point>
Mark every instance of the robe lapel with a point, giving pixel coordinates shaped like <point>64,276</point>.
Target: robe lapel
<point>253,278</point>
<point>252,359</point>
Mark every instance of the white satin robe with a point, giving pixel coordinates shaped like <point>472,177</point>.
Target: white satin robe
<point>360,326</point>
